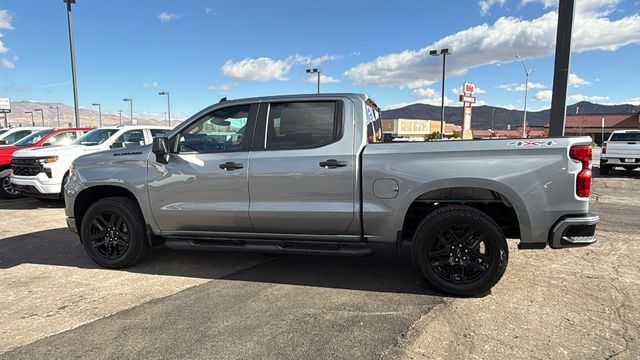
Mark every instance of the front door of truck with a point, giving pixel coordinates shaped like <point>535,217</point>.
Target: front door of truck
<point>302,169</point>
<point>203,187</point>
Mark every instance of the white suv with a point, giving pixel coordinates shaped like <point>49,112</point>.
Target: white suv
<point>53,164</point>
<point>10,135</point>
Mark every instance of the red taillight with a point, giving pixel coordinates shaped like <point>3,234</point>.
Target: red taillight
<point>583,153</point>
<point>604,148</point>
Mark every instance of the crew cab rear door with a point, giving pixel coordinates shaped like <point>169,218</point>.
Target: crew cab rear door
<point>302,170</point>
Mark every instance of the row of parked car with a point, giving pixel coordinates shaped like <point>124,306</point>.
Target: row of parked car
<point>35,161</point>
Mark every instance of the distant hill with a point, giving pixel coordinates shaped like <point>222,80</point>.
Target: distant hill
<point>88,117</point>
<point>502,117</point>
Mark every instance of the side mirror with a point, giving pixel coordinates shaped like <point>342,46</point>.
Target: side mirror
<point>47,144</point>
<point>160,147</point>
<point>116,145</point>
<point>3,142</point>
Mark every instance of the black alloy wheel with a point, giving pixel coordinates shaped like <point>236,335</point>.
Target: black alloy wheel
<point>110,235</point>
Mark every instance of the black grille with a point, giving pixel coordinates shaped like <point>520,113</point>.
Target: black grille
<point>26,167</point>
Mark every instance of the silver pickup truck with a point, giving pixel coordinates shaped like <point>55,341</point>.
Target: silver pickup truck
<point>308,174</point>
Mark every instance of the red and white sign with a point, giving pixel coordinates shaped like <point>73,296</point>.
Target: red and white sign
<point>468,99</point>
<point>468,88</point>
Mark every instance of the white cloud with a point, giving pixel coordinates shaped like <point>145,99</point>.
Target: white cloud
<point>5,24</point>
<point>498,42</point>
<point>208,11</point>
<point>581,97</point>
<point>576,81</point>
<point>323,79</point>
<point>633,101</point>
<point>508,107</point>
<point>265,68</point>
<point>7,64</point>
<point>544,95</point>
<point>485,5</point>
<point>478,90</point>
<point>153,85</point>
<point>224,87</point>
<point>431,97</point>
<point>520,87</point>
<point>167,16</point>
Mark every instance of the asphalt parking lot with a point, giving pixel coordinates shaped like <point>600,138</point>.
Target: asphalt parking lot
<point>573,304</point>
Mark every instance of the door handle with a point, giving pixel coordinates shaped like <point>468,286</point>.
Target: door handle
<point>230,165</point>
<point>332,163</point>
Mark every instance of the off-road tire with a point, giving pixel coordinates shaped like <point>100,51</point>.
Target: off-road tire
<point>128,210</point>
<point>429,234</point>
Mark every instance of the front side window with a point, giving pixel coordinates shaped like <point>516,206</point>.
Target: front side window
<point>33,138</point>
<point>96,137</point>
<point>220,131</point>
<point>302,125</point>
<point>62,139</point>
<point>12,138</point>
<point>129,139</point>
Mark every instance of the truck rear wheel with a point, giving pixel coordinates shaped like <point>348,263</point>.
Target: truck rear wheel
<point>113,232</point>
<point>460,250</point>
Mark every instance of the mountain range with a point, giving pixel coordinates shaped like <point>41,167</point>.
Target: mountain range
<point>88,117</point>
<point>484,116</point>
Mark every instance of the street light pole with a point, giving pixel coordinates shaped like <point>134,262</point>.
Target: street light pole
<point>57,113</point>
<point>527,72</point>
<point>315,71</point>
<point>493,114</point>
<point>120,111</point>
<point>99,113</point>
<point>73,62</point>
<point>130,107</point>
<point>33,122</point>
<point>444,53</point>
<point>168,105</point>
<point>41,114</point>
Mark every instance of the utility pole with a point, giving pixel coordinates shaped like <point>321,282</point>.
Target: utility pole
<point>561,68</point>
<point>73,62</point>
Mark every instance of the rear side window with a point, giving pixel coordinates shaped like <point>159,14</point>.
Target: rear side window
<point>12,138</point>
<point>635,136</point>
<point>303,125</point>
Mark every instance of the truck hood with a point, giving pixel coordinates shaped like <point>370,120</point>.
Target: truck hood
<point>56,151</point>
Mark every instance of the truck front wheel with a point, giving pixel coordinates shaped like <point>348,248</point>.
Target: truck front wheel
<point>460,250</point>
<point>113,232</point>
<point>7,190</point>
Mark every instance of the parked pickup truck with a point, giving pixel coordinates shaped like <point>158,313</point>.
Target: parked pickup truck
<point>308,175</point>
<point>36,179</point>
<point>38,139</point>
<point>622,149</point>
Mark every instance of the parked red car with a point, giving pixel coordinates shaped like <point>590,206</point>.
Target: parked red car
<point>48,137</point>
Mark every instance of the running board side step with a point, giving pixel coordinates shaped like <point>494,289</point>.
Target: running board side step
<point>271,247</point>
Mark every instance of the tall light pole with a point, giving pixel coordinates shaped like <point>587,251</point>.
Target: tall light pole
<point>41,114</point>
<point>99,113</point>
<point>131,108</point>
<point>57,113</point>
<point>315,71</point>
<point>493,114</point>
<point>168,105</point>
<point>33,122</point>
<point>120,111</point>
<point>73,62</point>
<point>527,72</point>
<point>444,53</point>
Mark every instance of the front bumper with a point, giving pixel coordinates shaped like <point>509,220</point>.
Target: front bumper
<point>36,185</point>
<point>574,231</point>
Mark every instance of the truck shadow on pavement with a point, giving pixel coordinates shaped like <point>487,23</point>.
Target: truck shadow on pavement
<point>30,203</point>
<point>383,271</point>
<point>615,173</point>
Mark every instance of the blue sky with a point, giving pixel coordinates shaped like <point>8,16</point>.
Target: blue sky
<point>201,50</point>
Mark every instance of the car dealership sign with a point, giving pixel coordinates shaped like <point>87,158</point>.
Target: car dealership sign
<point>5,105</point>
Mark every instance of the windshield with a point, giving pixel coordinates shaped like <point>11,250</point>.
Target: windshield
<point>634,136</point>
<point>33,138</point>
<point>95,137</point>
